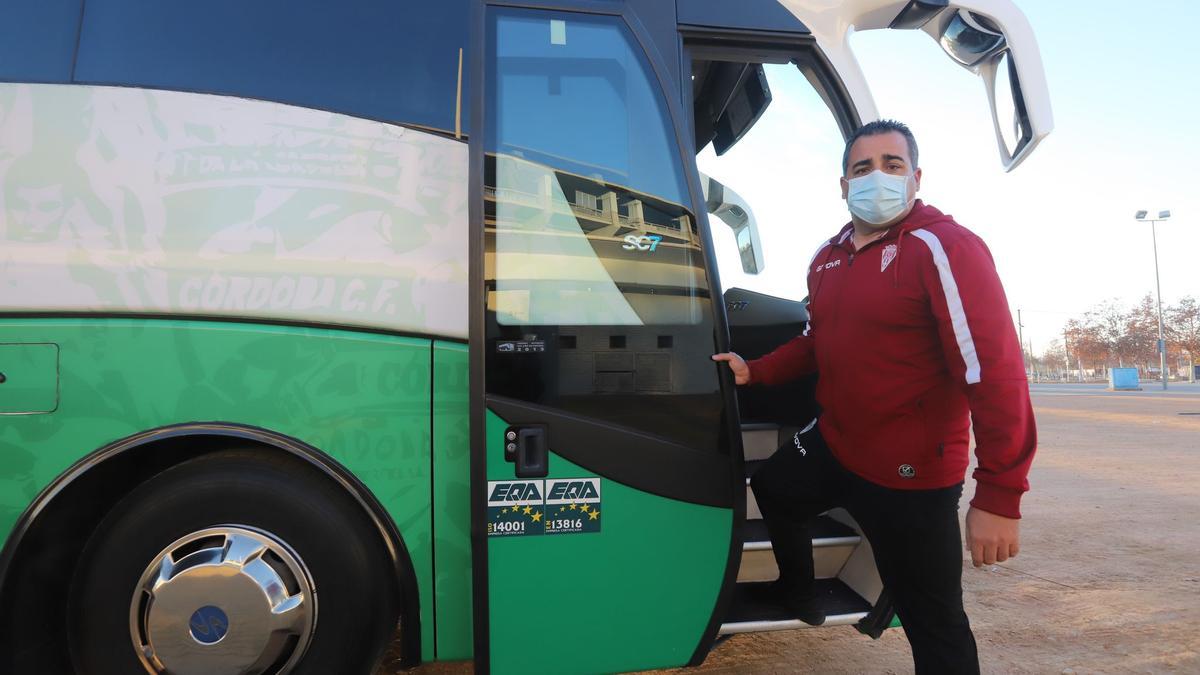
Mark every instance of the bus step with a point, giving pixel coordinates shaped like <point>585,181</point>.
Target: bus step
<point>759,441</point>
<point>842,607</point>
<point>752,512</point>
<point>825,532</point>
<point>833,542</point>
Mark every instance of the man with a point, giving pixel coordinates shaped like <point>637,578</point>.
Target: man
<point>911,336</point>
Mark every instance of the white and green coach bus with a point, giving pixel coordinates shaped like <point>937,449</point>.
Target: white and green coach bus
<point>329,327</point>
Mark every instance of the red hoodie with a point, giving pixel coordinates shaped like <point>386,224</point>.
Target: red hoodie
<point>913,339</point>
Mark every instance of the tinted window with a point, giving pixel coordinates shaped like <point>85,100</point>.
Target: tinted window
<point>380,59</point>
<point>577,94</point>
<point>37,39</point>
<point>584,181</point>
<point>598,301</point>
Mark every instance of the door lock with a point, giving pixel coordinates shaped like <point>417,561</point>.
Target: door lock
<point>526,447</point>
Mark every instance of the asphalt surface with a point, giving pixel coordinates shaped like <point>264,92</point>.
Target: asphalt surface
<point>1148,389</point>
<point>1108,579</point>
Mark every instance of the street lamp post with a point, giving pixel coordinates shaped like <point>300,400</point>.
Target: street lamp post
<point>1162,341</point>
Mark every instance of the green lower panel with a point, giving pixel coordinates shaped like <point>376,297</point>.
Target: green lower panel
<point>363,399</point>
<point>636,594</point>
<point>452,502</point>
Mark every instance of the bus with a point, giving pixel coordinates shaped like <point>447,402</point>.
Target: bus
<point>337,330</point>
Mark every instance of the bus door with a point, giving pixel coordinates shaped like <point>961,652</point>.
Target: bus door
<point>606,480</point>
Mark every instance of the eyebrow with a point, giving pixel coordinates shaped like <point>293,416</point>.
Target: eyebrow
<point>861,162</point>
<point>891,157</point>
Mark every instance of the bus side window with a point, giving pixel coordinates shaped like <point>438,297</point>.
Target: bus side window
<point>37,39</point>
<point>377,59</point>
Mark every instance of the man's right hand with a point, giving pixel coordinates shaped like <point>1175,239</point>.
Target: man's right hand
<point>741,372</point>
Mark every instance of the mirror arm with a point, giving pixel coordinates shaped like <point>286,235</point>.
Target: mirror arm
<point>917,13</point>
<point>989,70</point>
<point>732,210</point>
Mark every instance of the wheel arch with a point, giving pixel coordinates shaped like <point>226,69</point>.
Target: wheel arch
<point>100,479</point>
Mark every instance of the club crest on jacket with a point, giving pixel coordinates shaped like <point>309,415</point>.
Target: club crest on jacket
<point>889,254</point>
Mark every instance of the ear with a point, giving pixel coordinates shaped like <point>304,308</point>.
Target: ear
<point>917,181</point>
<point>845,187</point>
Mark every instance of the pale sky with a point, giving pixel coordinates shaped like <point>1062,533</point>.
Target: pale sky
<point>1122,81</point>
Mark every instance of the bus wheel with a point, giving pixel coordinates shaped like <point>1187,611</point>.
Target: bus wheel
<point>233,562</point>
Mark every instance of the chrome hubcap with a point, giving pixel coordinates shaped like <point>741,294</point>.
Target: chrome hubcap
<point>229,599</point>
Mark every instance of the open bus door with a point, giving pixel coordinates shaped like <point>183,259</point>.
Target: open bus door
<point>607,484</point>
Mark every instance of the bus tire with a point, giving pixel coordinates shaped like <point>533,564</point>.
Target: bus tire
<point>190,566</point>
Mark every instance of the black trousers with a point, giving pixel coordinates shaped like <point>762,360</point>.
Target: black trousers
<point>914,535</point>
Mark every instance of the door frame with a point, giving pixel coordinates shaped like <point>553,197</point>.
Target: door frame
<point>764,47</point>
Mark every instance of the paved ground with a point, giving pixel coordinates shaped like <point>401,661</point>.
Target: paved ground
<point>1108,579</point>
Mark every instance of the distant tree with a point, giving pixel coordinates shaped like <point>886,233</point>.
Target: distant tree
<point>1183,328</point>
<point>1141,333</point>
<point>1110,322</point>
<point>1110,335</point>
<point>1085,343</point>
<point>1055,358</point>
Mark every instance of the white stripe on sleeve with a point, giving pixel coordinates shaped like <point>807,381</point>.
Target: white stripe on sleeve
<point>814,258</point>
<point>958,317</point>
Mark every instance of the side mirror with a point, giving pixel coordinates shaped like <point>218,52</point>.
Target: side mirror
<point>729,100</point>
<point>992,48</point>
<point>978,44</point>
<point>750,99</point>
<point>990,38</point>
<point>731,209</point>
<point>970,38</point>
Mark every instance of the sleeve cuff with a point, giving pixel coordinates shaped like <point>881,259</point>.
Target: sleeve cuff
<point>1001,501</point>
<point>753,375</point>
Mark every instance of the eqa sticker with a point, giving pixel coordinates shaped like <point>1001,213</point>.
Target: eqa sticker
<point>515,507</point>
<point>572,505</point>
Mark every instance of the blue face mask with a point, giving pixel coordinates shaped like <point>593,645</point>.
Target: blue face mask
<point>878,197</point>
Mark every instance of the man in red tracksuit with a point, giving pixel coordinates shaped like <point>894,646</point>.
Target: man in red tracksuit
<point>912,340</point>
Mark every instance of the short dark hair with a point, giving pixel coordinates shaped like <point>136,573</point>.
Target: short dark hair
<point>881,127</point>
